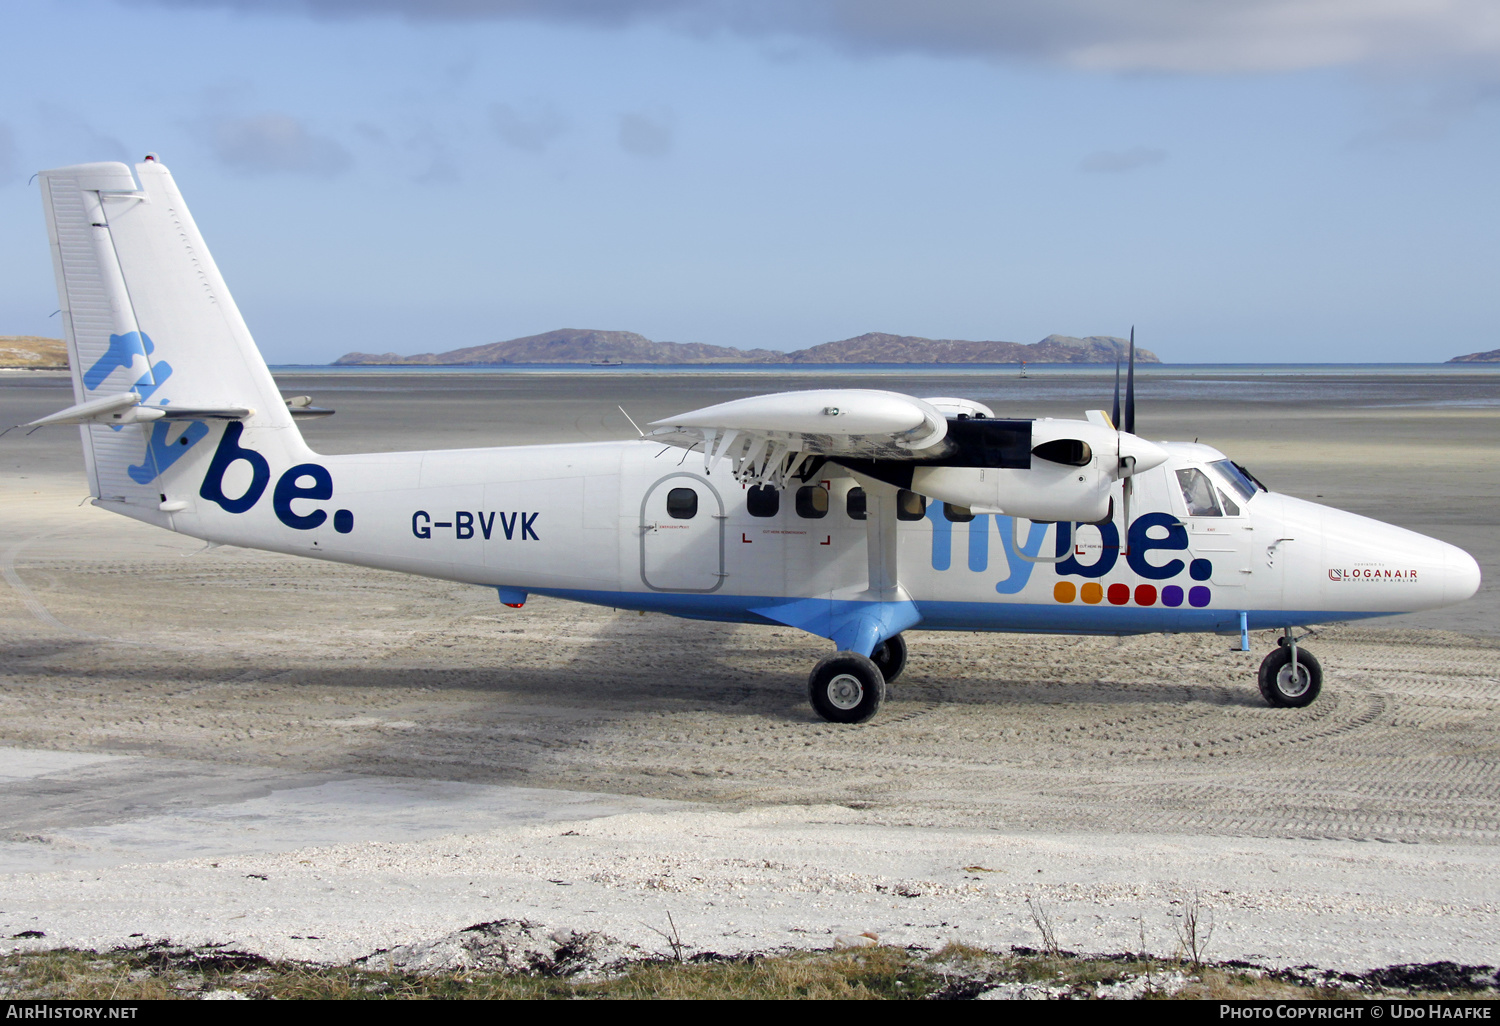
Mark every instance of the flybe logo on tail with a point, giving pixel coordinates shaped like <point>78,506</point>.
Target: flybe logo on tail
<point>123,352</point>
<point>309,481</point>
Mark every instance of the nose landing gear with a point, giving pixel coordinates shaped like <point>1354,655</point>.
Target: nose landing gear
<point>1290,677</point>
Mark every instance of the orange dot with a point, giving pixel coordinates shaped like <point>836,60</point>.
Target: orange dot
<point>1064,591</point>
<point>1091,592</point>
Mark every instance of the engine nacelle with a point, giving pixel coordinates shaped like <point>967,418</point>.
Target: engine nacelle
<point>1074,465</point>
<point>1047,492</point>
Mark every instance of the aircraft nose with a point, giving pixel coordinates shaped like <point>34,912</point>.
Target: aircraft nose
<point>1461,575</point>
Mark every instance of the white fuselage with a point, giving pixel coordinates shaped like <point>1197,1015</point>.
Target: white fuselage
<point>593,522</point>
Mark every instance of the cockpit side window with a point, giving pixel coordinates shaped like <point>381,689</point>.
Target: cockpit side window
<point>1237,479</point>
<point>1198,493</point>
<point>1230,509</point>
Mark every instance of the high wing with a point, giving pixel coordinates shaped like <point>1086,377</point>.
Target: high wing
<point>769,437</point>
<point>951,450</point>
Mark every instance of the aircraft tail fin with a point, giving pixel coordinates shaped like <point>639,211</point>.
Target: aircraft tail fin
<point>146,311</point>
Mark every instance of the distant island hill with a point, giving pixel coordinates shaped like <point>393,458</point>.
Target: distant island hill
<point>582,346</point>
<point>577,346</point>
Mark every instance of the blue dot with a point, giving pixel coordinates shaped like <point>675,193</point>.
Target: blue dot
<point>1171,595</point>
<point>343,521</point>
<point>1198,597</point>
<point>1200,569</point>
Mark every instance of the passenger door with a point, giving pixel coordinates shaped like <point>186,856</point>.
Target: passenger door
<point>682,535</point>
<point>1219,533</point>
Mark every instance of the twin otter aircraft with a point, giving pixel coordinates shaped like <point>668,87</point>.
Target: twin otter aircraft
<point>849,513</point>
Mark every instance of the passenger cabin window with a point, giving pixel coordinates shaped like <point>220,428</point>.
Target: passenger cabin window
<point>812,502</point>
<point>854,504</point>
<point>763,501</point>
<point>682,504</point>
<point>1198,493</point>
<point>957,514</point>
<point>910,505</point>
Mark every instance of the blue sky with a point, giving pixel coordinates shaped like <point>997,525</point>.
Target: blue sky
<point>1248,180</point>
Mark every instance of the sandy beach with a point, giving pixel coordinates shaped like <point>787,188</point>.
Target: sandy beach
<point>316,761</point>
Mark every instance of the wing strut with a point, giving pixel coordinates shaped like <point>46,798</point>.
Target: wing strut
<point>859,620</point>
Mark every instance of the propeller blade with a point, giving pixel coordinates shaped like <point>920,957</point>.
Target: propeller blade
<point>1114,417</point>
<point>1130,386</point>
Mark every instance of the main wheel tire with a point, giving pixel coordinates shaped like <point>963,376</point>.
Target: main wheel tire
<point>846,687</point>
<point>890,657</point>
<point>1285,688</point>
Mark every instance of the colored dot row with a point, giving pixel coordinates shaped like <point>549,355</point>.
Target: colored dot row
<point>1119,594</point>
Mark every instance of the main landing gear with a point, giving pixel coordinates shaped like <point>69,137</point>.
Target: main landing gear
<point>1290,677</point>
<point>847,687</point>
<point>890,656</point>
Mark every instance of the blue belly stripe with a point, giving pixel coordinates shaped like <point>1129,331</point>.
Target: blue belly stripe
<point>1003,617</point>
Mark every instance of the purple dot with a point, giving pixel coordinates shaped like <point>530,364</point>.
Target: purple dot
<point>1198,597</point>
<point>1171,595</point>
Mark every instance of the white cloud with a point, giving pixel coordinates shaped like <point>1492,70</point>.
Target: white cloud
<point>10,154</point>
<point>645,136</point>
<point>532,130</point>
<point>1190,36</point>
<point>268,143</point>
<point>1115,161</point>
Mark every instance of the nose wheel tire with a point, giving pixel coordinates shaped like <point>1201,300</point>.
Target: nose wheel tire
<point>846,687</point>
<point>890,657</point>
<point>1286,686</point>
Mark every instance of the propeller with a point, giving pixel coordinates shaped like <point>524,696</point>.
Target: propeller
<point>1127,485</point>
<point>1114,416</point>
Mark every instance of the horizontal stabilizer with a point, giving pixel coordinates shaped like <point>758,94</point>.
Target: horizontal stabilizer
<point>206,412</point>
<point>301,408</point>
<point>100,409</point>
<point>126,408</point>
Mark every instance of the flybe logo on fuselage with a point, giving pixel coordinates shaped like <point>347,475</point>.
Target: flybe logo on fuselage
<point>1148,538</point>
<point>1151,533</point>
<point>304,481</point>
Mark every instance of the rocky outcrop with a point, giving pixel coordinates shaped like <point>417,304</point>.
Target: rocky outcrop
<point>33,352</point>
<point>1493,356</point>
<point>878,347</point>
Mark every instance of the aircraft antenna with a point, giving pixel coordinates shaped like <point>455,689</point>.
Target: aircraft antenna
<point>632,422</point>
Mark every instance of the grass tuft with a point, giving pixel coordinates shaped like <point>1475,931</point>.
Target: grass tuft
<point>955,971</point>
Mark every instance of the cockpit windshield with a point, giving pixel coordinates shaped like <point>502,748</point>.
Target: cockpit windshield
<point>1237,479</point>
